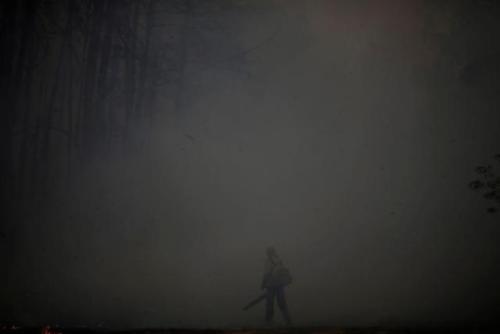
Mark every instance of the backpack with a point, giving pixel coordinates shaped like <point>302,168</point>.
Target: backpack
<point>280,276</point>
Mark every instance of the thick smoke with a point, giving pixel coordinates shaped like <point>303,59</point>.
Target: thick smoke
<point>343,133</point>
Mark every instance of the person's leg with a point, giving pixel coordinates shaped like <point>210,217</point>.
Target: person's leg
<point>270,293</point>
<point>280,297</point>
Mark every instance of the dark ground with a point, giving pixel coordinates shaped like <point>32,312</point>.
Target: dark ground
<point>276,330</point>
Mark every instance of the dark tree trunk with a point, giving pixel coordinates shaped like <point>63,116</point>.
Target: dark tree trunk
<point>9,11</point>
<point>130,74</point>
<point>51,105</point>
<point>144,62</point>
<point>183,53</point>
<point>16,71</point>
<point>69,104</point>
<point>101,126</point>
<point>90,77</point>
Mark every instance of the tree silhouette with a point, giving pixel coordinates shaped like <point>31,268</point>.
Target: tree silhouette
<point>79,79</point>
<point>488,183</point>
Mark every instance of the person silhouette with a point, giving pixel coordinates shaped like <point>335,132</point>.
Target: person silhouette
<point>274,280</point>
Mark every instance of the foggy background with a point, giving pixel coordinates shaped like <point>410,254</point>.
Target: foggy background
<point>344,133</point>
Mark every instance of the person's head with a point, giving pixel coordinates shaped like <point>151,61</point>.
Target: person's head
<point>271,251</point>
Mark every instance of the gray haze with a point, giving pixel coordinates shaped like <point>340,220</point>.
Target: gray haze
<point>346,139</point>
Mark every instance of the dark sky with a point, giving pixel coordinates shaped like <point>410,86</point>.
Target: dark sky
<point>346,139</point>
